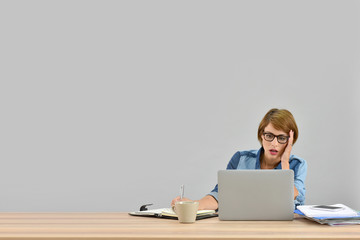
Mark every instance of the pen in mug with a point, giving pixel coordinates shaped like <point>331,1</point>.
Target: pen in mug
<point>181,191</point>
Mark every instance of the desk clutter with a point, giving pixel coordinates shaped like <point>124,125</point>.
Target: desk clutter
<point>336,214</point>
<point>169,213</point>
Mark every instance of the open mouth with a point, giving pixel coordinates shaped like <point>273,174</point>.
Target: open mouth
<point>273,151</point>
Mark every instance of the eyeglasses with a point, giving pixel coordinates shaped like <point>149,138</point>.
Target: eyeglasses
<point>280,138</point>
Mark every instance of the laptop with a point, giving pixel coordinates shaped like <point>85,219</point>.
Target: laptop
<point>256,194</point>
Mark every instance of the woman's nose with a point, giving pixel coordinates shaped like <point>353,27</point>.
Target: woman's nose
<point>274,142</point>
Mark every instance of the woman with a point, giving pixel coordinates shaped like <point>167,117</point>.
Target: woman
<point>277,133</point>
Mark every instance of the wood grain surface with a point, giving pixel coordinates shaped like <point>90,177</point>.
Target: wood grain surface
<point>122,226</point>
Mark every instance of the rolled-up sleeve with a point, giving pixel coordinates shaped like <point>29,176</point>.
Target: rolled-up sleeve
<point>299,182</point>
<point>215,192</point>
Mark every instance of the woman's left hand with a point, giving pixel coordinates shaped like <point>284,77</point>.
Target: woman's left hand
<point>286,154</point>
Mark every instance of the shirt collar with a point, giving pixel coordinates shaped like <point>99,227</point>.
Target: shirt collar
<point>258,155</point>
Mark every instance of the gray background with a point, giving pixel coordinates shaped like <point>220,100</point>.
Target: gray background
<point>107,105</point>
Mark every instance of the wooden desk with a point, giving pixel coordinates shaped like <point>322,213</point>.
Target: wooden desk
<point>122,226</point>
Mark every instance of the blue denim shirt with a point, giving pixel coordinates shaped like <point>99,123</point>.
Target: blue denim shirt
<point>251,160</point>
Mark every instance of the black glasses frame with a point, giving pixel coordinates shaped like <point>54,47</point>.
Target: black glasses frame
<point>277,137</point>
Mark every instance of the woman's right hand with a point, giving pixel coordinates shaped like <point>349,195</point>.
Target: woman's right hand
<point>206,203</point>
<point>177,199</point>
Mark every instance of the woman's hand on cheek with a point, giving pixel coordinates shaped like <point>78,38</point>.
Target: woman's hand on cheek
<point>286,154</point>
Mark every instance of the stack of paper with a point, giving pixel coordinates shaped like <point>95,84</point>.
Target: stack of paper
<point>344,216</point>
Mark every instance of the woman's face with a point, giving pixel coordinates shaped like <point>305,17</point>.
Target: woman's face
<point>273,150</point>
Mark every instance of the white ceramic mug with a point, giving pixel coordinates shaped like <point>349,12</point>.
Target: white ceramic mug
<point>186,211</point>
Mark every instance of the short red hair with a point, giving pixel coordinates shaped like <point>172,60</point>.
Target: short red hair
<point>281,119</point>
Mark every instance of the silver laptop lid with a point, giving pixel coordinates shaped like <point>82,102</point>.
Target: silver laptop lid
<point>256,194</point>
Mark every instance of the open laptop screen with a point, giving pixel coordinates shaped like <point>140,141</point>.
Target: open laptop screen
<point>256,194</point>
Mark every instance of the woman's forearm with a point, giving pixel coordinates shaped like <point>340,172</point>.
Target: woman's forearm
<point>208,203</point>
<point>296,192</point>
